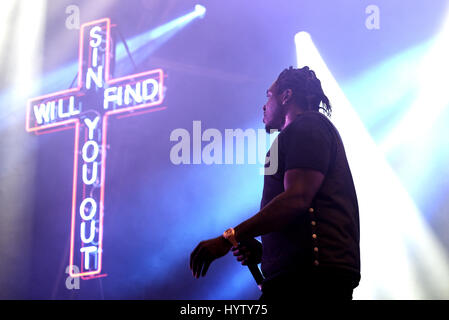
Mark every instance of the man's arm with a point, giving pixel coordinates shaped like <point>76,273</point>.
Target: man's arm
<point>301,186</point>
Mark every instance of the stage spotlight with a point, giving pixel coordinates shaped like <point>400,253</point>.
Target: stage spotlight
<point>141,46</point>
<point>400,256</point>
<point>200,10</point>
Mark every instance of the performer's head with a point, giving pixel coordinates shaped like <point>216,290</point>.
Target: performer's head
<point>293,92</point>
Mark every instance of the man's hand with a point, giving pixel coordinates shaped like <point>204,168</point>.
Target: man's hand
<point>206,252</point>
<point>248,252</point>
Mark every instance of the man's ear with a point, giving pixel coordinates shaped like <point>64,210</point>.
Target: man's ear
<point>286,96</point>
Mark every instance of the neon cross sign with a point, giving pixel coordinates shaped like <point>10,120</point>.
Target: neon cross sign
<point>88,107</point>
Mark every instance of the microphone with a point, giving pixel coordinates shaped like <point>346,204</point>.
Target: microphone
<point>253,268</point>
<point>257,275</point>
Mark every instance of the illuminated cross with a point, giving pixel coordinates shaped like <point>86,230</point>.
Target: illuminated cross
<point>87,108</point>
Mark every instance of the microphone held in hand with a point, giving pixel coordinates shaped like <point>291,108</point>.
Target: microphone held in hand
<point>257,275</point>
<point>249,252</point>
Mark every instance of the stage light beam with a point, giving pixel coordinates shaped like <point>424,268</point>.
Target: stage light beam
<point>141,46</point>
<point>19,20</point>
<point>393,234</point>
<point>432,84</point>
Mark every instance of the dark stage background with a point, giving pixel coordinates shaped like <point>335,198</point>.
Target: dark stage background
<point>218,68</point>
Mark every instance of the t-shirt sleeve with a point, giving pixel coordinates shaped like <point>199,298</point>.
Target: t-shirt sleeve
<point>308,145</point>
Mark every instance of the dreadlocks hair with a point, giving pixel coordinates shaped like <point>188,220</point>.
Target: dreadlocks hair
<point>306,89</point>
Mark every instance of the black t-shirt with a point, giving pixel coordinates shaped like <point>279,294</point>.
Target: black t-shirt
<point>328,237</point>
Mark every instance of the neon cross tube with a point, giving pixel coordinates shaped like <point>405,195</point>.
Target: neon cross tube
<point>87,107</point>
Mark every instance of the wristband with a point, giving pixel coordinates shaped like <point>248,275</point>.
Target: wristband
<point>229,235</point>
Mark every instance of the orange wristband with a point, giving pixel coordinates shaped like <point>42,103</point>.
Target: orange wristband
<point>229,235</point>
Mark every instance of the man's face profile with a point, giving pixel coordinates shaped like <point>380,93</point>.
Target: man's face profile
<point>274,113</point>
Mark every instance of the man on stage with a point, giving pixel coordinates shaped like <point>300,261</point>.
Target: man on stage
<point>309,217</point>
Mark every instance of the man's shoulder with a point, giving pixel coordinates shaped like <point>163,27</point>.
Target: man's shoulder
<point>312,116</point>
<point>311,120</point>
